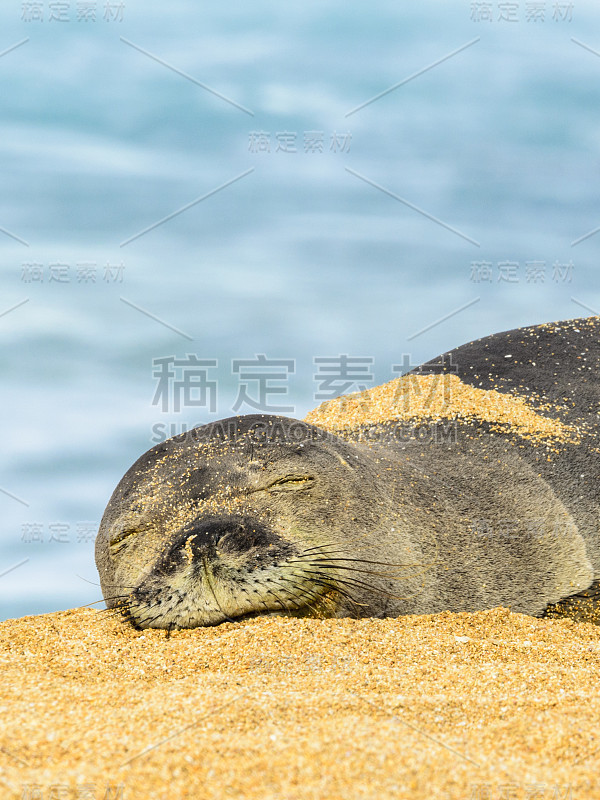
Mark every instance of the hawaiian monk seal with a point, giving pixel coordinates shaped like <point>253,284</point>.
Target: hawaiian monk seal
<point>469,483</point>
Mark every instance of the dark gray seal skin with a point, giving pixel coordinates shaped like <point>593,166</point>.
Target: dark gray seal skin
<point>268,515</point>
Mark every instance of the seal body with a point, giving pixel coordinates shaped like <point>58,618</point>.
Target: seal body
<point>471,482</point>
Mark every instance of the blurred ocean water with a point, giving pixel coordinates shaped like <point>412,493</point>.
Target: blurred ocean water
<point>312,222</point>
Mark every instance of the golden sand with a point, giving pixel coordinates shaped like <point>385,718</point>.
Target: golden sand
<point>477,706</point>
<point>430,398</point>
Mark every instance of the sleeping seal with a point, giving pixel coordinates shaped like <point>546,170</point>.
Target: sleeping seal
<point>469,483</point>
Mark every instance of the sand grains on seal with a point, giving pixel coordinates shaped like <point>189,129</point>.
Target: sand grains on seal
<point>416,398</point>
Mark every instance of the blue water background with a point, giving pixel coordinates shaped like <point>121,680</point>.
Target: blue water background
<point>300,258</point>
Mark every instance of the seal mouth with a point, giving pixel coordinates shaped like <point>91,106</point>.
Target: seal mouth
<point>146,609</point>
<point>220,569</point>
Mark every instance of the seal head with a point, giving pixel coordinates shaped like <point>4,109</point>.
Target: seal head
<point>244,517</point>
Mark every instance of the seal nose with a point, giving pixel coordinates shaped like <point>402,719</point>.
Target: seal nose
<point>219,541</point>
<point>241,538</point>
<point>215,535</point>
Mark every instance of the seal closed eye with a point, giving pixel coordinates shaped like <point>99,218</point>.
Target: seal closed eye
<point>471,482</point>
<point>290,482</point>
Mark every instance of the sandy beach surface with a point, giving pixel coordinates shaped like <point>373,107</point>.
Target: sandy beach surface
<point>483,706</point>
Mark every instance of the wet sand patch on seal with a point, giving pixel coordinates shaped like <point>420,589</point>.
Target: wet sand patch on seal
<point>431,398</point>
